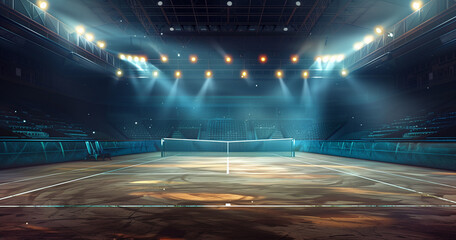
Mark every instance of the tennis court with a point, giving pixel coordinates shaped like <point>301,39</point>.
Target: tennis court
<point>149,196</point>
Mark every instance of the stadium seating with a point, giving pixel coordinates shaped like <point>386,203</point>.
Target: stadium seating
<point>307,129</point>
<point>190,129</point>
<point>35,124</point>
<point>266,129</point>
<point>417,127</point>
<point>159,128</point>
<point>222,129</point>
<point>133,129</point>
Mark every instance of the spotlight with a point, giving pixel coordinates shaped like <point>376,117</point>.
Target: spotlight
<point>416,5</point>
<point>89,37</point>
<point>177,74</point>
<point>298,3</point>
<point>244,74</point>
<point>263,58</point>
<point>160,3</point>
<point>101,44</point>
<point>122,56</point>
<point>390,34</point>
<point>325,59</point>
<point>136,58</point>
<point>305,74</point>
<point>294,58</point>
<point>340,58</point>
<point>318,59</point>
<point>279,73</point>
<point>171,29</point>
<point>333,58</point>
<point>80,30</point>
<point>119,73</point>
<point>155,73</point>
<point>43,4</point>
<point>208,74</point>
<point>228,59</point>
<point>129,58</point>
<point>358,46</point>
<point>229,3</point>
<point>379,30</point>
<point>285,29</point>
<point>164,58</point>
<point>142,59</point>
<point>344,72</point>
<point>368,39</point>
<point>193,58</point>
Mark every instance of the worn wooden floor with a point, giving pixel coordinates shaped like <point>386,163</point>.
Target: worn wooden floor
<point>307,197</point>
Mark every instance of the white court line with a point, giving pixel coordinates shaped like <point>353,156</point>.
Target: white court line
<point>220,141</point>
<point>228,165</point>
<point>77,179</point>
<point>79,169</point>
<point>179,173</point>
<point>271,173</point>
<point>388,173</point>
<point>377,181</point>
<point>231,206</point>
<point>206,173</point>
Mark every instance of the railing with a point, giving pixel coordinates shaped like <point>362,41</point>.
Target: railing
<point>33,12</point>
<point>434,154</point>
<point>427,12</point>
<point>28,152</point>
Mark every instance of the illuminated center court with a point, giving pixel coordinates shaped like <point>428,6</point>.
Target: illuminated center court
<point>146,195</point>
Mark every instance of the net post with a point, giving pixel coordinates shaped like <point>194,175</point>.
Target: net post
<point>162,147</point>
<point>227,157</point>
<point>293,145</point>
<point>228,149</point>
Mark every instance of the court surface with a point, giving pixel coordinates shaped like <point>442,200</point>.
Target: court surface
<point>310,196</point>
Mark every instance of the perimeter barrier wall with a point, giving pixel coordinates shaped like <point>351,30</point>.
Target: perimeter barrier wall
<point>21,153</point>
<point>434,154</point>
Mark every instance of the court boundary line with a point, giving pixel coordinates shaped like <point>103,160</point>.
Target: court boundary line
<point>378,181</point>
<point>206,173</point>
<point>60,173</point>
<point>373,170</point>
<point>76,179</point>
<point>237,206</point>
<point>232,206</point>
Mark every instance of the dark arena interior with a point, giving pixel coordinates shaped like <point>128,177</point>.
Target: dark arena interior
<point>216,119</point>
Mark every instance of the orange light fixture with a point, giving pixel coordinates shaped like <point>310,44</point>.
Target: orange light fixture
<point>244,74</point>
<point>228,59</point>
<point>279,74</point>
<point>305,74</point>
<point>263,59</point>
<point>193,59</point>
<point>177,74</point>
<point>294,58</point>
